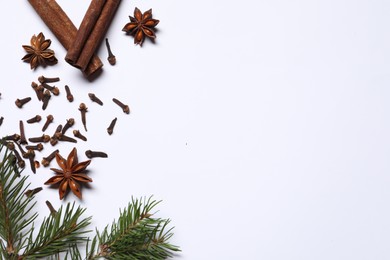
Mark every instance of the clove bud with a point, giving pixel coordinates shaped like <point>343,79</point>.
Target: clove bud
<point>46,160</point>
<point>92,154</point>
<point>35,119</point>
<point>20,102</point>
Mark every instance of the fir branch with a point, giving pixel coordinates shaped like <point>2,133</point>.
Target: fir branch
<point>58,233</point>
<point>14,206</point>
<point>135,235</point>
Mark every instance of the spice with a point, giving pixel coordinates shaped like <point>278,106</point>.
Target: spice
<point>45,99</point>
<point>35,119</point>
<point>41,139</point>
<point>124,107</point>
<point>69,95</point>
<point>30,155</point>
<point>70,174</point>
<point>52,89</point>
<point>49,119</point>
<point>20,161</point>
<point>23,139</point>
<point>83,109</point>
<point>141,25</point>
<point>38,90</point>
<point>53,139</point>
<point>90,18</point>
<point>53,212</point>
<point>32,192</point>
<point>46,160</point>
<point>43,79</point>
<point>37,147</point>
<point>77,134</point>
<point>63,28</point>
<point>39,53</point>
<point>92,154</point>
<point>62,137</point>
<point>97,33</point>
<point>21,102</point>
<point>1,120</point>
<point>111,57</point>
<point>110,128</point>
<point>69,123</point>
<point>95,99</point>
<point>14,137</point>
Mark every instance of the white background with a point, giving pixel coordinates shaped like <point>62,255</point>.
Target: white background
<point>262,125</point>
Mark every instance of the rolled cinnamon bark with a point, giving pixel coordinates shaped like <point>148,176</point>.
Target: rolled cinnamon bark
<point>85,29</point>
<point>97,34</point>
<point>63,28</point>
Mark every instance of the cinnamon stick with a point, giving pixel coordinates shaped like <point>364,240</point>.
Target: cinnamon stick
<point>97,34</point>
<point>63,28</point>
<point>85,29</point>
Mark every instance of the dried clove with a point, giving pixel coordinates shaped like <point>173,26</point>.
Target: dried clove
<point>53,212</point>
<point>83,109</point>
<point>43,79</point>
<point>20,161</point>
<point>38,90</point>
<point>45,99</point>
<point>69,123</point>
<point>14,137</point>
<point>35,119</point>
<point>23,139</point>
<point>94,98</point>
<point>52,89</point>
<point>41,139</point>
<point>10,145</point>
<point>46,160</point>
<point>110,128</point>
<point>77,134</point>
<point>69,95</point>
<point>1,120</point>
<point>49,119</point>
<point>62,137</point>
<point>111,57</point>
<point>53,139</point>
<point>22,151</point>
<point>124,107</point>
<point>30,155</point>
<point>30,193</point>
<point>37,147</point>
<point>92,154</point>
<point>20,102</point>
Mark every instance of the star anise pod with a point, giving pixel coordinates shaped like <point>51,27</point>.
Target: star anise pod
<point>70,174</point>
<point>39,53</point>
<point>141,25</point>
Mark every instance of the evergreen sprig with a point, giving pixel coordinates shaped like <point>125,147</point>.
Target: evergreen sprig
<point>135,235</point>
<point>57,233</point>
<point>14,207</point>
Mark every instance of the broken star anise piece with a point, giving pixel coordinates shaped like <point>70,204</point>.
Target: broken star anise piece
<point>141,25</point>
<point>70,174</point>
<point>39,53</point>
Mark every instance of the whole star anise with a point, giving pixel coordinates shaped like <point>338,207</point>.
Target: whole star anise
<point>39,53</point>
<point>70,174</point>
<point>141,25</point>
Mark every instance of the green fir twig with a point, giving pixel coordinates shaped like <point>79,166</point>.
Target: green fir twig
<point>56,234</point>
<point>135,235</point>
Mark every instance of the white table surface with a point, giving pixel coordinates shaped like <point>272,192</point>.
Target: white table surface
<point>262,125</point>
